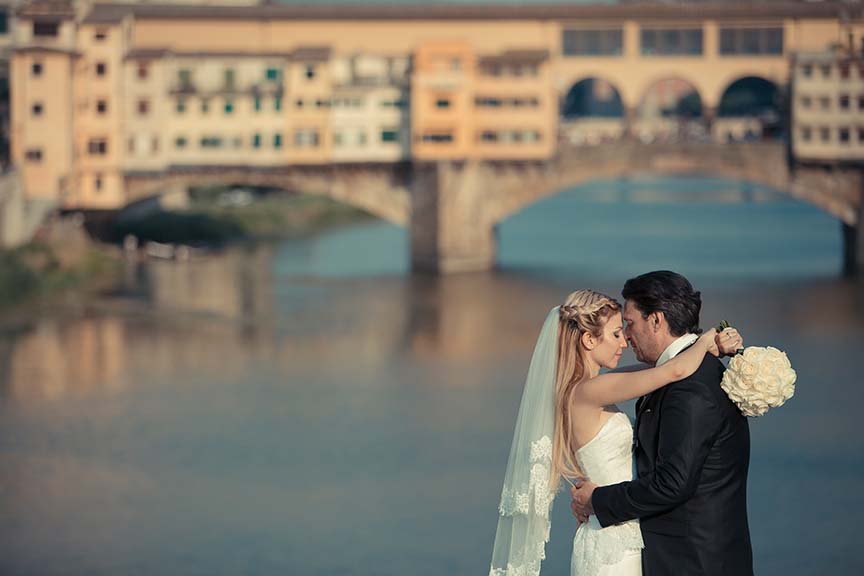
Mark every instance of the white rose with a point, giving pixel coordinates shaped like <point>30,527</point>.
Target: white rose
<point>759,379</point>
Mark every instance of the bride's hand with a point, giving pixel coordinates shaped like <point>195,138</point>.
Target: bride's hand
<point>728,342</point>
<point>710,340</point>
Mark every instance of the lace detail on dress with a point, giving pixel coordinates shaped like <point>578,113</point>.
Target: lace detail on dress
<point>606,459</point>
<point>519,502</point>
<point>595,547</point>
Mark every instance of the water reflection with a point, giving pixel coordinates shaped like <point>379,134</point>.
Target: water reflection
<point>261,412</point>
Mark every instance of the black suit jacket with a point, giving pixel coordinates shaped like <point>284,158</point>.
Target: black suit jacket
<point>692,454</point>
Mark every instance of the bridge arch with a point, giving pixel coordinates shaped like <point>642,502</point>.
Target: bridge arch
<point>670,107</point>
<point>379,190</point>
<point>757,163</point>
<point>750,106</point>
<point>592,97</point>
<point>592,111</point>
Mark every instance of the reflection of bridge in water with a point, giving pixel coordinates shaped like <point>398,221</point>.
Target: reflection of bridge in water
<point>452,208</point>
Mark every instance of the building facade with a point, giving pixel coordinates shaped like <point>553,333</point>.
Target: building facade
<point>828,106</point>
<point>103,91</point>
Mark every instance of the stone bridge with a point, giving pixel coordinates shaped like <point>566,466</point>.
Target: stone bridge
<point>452,208</point>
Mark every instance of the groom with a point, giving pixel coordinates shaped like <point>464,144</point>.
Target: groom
<point>692,448</point>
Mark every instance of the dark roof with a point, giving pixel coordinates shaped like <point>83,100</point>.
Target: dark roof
<point>530,56</point>
<point>721,10</point>
<point>303,53</point>
<point>312,53</point>
<point>47,9</point>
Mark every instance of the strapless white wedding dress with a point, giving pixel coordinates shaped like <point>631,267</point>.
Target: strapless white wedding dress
<point>616,550</point>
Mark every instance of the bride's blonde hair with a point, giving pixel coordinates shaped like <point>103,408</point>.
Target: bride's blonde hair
<point>583,311</point>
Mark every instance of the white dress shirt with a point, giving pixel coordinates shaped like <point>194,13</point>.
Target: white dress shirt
<point>675,347</point>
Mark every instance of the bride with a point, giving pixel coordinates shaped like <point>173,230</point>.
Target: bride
<point>569,427</point>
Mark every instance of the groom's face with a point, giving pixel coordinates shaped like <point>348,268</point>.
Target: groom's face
<point>639,334</point>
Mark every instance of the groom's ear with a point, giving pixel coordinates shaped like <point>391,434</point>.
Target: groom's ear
<point>656,320</point>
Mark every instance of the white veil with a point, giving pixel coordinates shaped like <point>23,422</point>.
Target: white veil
<point>526,500</point>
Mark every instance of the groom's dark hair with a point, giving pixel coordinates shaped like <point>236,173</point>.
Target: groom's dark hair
<point>670,293</point>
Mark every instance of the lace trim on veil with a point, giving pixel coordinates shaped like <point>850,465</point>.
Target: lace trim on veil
<point>535,501</point>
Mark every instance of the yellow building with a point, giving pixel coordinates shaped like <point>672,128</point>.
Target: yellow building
<point>110,91</point>
<point>828,106</point>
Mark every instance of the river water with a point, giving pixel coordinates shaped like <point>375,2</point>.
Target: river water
<point>312,408</point>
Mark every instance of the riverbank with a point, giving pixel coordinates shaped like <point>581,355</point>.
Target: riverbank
<point>64,265</point>
<point>62,262</point>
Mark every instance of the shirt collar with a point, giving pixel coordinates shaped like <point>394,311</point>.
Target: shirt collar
<point>675,347</point>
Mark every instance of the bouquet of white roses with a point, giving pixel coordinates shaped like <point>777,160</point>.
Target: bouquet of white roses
<point>758,378</point>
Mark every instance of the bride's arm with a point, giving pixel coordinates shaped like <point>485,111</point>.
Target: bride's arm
<point>612,388</point>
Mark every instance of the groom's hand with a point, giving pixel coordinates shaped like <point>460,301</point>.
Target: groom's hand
<point>581,502</point>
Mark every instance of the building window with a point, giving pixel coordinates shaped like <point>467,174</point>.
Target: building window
<point>306,138</point>
<point>277,141</point>
<point>806,101</point>
<point>299,104</point>
<point>143,107</point>
<point>389,135</point>
<point>438,137</point>
<point>844,70</point>
<point>861,134</point>
<point>97,147</point>
<point>4,21</point>
<point>806,133</point>
<point>272,74</point>
<point>37,109</point>
<point>845,101</point>
<point>184,79</point>
<point>671,42</point>
<point>211,142</point>
<point>229,79</point>
<point>130,146</point>
<point>154,144</point>
<point>319,103</point>
<point>34,155</point>
<point>180,142</point>
<point>143,70</point>
<point>257,103</point>
<point>181,106</point>
<point>609,42</point>
<point>826,70</point>
<point>101,69</point>
<point>100,35</point>
<point>205,106</point>
<point>310,72</point>
<point>46,29</point>
<point>843,135</point>
<point>825,134</point>
<point>101,107</point>
<point>361,138</point>
<point>36,69</point>
<point>229,106</point>
<point>807,70</point>
<point>825,102</point>
<point>256,140</point>
<point>442,103</point>
<point>97,183</point>
<point>277,103</point>
<point>861,103</point>
<point>751,41</point>
<point>488,136</point>
<point>337,139</point>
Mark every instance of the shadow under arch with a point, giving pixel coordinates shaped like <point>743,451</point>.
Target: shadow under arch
<point>750,107</point>
<point>670,96</point>
<point>592,97</point>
